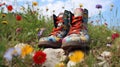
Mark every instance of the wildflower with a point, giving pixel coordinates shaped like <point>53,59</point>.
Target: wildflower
<point>18,30</point>
<point>108,44</point>
<point>63,7</point>
<point>20,45</point>
<point>98,6</point>
<point>105,24</point>
<point>18,17</point>
<point>115,35</point>
<point>8,54</point>
<point>81,5</point>
<point>2,4</point>
<point>37,29</point>
<point>97,21</point>
<point>108,38</point>
<point>4,22</point>
<point>9,8</point>
<point>34,3</point>
<point>27,49</point>
<point>76,56</point>
<point>47,9</point>
<point>53,11</point>
<point>17,51</point>
<point>60,65</point>
<point>3,15</point>
<point>39,57</point>
<point>112,5</point>
<point>41,32</point>
<point>22,8</point>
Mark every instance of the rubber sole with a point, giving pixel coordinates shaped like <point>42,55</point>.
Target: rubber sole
<point>48,44</point>
<point>74,45</point>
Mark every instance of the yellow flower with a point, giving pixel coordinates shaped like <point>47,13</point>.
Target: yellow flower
<point>4,22</point>
<point>34,3</point>
<point>37,29</point>
<point>60,65</point>
<point>3,15</point>
<point>27,49</point>
<point>76,56</point>
<point>81,5</point>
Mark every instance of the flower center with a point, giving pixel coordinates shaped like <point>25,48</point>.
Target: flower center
<point>40,57</point>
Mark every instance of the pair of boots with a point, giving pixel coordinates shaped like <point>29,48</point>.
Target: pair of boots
<point>70,31</point>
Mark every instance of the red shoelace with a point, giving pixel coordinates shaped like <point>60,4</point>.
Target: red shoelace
<point>76,25</point>
<point>55,31</point>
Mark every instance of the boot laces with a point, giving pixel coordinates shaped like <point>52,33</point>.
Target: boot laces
<point>58,29</point>
<point>76,25</point>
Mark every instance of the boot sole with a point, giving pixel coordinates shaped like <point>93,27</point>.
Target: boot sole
<point>48,44</point>
<point>74,45</point>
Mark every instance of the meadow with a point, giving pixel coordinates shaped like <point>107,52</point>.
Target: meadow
<point>24,28</point>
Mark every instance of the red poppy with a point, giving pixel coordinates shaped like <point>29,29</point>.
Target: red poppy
<point>9,7</point>
<point>18,17</point>
<point>39,57</point>
<point>115,35</point>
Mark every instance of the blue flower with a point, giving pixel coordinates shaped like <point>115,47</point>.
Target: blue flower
<point>8,54</point>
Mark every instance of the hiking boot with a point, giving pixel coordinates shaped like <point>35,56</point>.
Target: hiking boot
<point>60,30</point>
<point>78,35</point>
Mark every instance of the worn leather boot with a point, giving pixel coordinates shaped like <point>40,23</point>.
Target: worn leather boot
<point>78,35</point>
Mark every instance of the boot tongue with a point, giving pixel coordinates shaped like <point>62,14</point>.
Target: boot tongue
<point>55,19</point>
<point>60,17</point>
<point>78,12</point>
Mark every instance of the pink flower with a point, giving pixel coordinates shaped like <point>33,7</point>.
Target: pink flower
<point>2,4</point>
<point>105,24</point>
<point>18,30</point>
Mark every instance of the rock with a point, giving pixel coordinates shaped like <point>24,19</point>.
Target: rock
<point>104,57</point>
<point>54,56</point>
